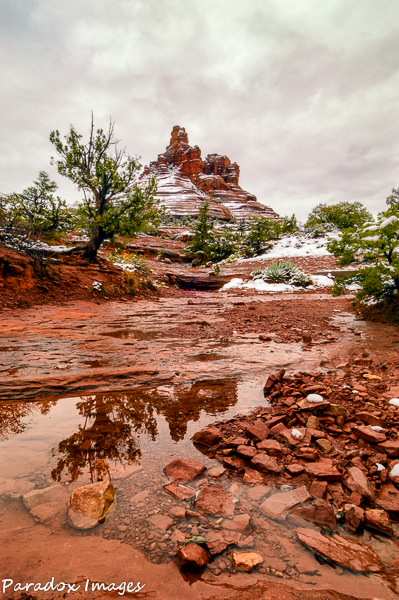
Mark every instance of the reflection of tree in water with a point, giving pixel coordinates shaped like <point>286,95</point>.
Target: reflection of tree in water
<point>13,415</point>
<point>112,422</point>
<point>108,433</point>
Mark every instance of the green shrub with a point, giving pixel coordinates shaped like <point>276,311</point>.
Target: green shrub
<point>375,248</point>
<point>261,231</point>
<point>290,224</point>
<point>209,243</point>
<point>344,215</point>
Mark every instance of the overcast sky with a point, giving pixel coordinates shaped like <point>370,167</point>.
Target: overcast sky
<point>303,94</point>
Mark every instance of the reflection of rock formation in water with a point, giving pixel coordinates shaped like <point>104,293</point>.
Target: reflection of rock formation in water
<point>212,397</point>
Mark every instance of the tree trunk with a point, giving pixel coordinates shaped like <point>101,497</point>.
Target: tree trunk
<point>96,239</point>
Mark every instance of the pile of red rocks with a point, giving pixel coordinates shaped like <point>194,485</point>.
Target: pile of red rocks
<point>334,437</point>
<point>214,509</point>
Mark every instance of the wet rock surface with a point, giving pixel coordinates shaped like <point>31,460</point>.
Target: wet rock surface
<point>155,522</point>
<point>343,551</point>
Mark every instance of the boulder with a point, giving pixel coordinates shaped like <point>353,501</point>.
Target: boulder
<point>307,453</point>
<point>47,505</point>
<point>192,557</point>
<point>257,432</point>
<point>53,493</point>
<point>369,418</point>
<point>342,551</point>
<point>216,471</point>
<point>295,469</point>
<point>358,482</point>
<point>266,464</point>
<point>184,469</point>
<point>234,462</point>
<point>246,561</point>
<point>278,505</point>
<point>324,445</point>
<point>91,504</point>
<point>258,492</point>
<point>215,500</point>
<point>177,512</point>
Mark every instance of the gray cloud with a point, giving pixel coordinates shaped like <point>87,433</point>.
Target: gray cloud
<point>302,94</point>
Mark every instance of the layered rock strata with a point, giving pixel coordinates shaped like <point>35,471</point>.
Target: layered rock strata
<point>185,181</point>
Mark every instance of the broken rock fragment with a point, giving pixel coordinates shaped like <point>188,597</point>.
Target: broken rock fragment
<point>321,513</point>
<point>378,519</point>
<point>91,504</point>
<point>217,541</point>
<point>265,463</point>
<point>340,550</point>
<point>324,469</point>
<point>278,505</point>
<point>246,561</point>
<point>215,500</point>
<point>178,491</point>
<point>192,557</point>
<point>184,469</point>
<point>354,517</point>
<point>207,437</point>
<point>365,432</point>
<point>358,482</point>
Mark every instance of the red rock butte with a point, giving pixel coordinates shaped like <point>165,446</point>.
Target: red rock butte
<point>185,181</point>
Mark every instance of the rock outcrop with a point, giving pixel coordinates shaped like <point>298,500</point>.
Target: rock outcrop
<point>185,181</point>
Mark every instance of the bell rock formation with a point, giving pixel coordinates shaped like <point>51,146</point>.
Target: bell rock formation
<point>185,181</point>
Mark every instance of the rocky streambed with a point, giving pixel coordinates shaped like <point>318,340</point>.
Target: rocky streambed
<point>293,499</point>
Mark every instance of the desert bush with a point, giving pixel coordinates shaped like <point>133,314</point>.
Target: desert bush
<point>128,259</point>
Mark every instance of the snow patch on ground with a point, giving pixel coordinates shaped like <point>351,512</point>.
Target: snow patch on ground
<point>295,246</point>
<point>263,286</point>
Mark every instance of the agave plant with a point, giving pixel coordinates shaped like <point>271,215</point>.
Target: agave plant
<point>301,280</point>
<point>279,272</point>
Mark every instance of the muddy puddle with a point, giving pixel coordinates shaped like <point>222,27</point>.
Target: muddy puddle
<point>56,445</point>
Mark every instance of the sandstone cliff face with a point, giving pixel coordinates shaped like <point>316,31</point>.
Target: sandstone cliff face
<point>185,181</point>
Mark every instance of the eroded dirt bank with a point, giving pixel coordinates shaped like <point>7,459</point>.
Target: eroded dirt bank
<point>119,389</point>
